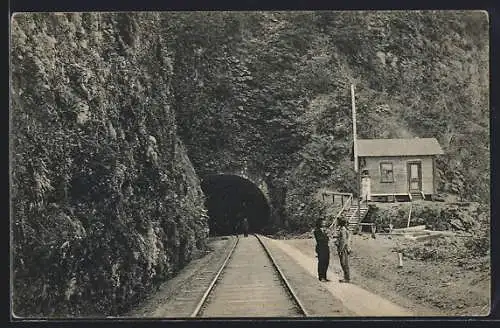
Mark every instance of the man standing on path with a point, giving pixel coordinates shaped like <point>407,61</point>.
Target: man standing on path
<point>236,228</point>
<point>344,249</point>
<point>322,250</point>
<point>245,227</point>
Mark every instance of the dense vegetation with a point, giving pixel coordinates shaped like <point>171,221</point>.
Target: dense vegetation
<point>271,91</point>
<point>105,201</point>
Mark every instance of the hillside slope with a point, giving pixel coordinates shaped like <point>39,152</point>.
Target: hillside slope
<point>105,201</point>
<point>272,93</point>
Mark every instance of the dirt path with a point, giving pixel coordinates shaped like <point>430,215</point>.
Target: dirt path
<point>430,289</point>
<point>313,294</point>
<point>357,300</point>
<point>378,288</point>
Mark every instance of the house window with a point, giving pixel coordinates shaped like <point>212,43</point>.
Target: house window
<point>386,172</point>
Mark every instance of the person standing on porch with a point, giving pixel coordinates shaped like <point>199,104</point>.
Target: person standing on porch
<point>344,249</point>
<point>322,250</point>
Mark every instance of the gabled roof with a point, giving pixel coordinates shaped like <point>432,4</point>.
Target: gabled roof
<point>398,147</point>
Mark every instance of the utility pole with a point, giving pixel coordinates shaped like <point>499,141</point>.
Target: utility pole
<point>355,149</point>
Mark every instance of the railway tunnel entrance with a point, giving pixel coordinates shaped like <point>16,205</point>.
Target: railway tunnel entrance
<point>230,199</point>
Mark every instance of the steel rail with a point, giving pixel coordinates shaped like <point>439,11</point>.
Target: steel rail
<point>214,280</point>
<point>283,278</point>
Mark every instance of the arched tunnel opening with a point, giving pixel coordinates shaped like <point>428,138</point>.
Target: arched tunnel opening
<point>230,199</point>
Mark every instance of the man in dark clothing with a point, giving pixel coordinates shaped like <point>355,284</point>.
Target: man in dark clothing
<point>245,227</point>
<point>322,250</point>
<point>344,249</point>
<point>236,227</point>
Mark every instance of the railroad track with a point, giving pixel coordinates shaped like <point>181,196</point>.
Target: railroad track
<point>249,283</point>
<point>180,301</point>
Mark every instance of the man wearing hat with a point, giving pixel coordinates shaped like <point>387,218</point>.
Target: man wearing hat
<point>344,249</point>
<point>322,250</point>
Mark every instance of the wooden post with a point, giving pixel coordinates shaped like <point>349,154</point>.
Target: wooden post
<point>355,149</point>
<point>354,132</point>
<point>400,260</point>
<point>359,196</point>
<point>409,215</point>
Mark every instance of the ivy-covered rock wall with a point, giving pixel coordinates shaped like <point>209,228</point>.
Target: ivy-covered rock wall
<point>105,202</point>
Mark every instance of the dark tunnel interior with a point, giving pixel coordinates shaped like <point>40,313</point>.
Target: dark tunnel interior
<point>231,198</point>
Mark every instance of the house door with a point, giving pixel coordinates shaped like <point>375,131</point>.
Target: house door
<point>415,176</point>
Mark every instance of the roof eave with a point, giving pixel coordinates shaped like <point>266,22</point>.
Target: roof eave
<point>399,155</point>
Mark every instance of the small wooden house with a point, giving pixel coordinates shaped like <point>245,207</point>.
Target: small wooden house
<point>397,168</point>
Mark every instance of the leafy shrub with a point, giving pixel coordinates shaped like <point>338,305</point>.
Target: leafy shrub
<point>303,213</point>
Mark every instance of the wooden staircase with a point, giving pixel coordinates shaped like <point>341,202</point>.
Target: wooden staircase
<point>351,215</point>
<point>349,212</point>
<point>418,195</point>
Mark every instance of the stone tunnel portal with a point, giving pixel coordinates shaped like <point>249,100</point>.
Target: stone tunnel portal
<point>230,198</point>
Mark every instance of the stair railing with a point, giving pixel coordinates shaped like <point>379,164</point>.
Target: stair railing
<point>347,204</point>
<point>409,215</point>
